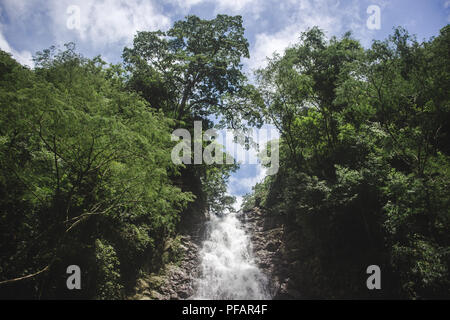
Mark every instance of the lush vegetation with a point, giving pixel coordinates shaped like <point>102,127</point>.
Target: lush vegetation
<point>87,178</point>
<point>364,163</point>
<point>85,153</point>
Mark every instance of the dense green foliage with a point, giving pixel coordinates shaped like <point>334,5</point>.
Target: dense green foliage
<point>86,170</point>
<point>364,163</point>
<point>85,153</point>
<point>87,178</point>
<point>193,70</point>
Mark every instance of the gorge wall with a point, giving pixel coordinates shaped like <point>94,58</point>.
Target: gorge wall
<point>175,281</point>
<point>275,252</point>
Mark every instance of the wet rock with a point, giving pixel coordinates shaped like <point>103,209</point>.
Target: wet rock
<point>272,246</point>
<point>155,295</point>
<point>175,281</point>
<point>269,247</point>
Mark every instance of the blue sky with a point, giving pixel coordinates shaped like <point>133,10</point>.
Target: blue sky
<point>106,26</point>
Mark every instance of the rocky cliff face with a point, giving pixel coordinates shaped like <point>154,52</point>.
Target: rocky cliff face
<point>175,281</point>
<point>274,256</point>
<point>274,248</point>
<point>180,265</point>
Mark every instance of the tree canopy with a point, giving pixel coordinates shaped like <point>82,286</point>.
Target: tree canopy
<point>87,176</point>
<point>364,169</point>
<point>190,70</point>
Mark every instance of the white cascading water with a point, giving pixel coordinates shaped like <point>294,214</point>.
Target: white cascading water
<point>228,270</point>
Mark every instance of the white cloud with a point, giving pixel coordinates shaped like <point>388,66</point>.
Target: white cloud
<point>237,6</point>
<point>186,5</point>
<point>328,15</point>
<point>237,184</point>
<point>103,23</point>
<point>230,6</point>
<point>268,44</point>
<point>24,57</point>
<point>18,9</point>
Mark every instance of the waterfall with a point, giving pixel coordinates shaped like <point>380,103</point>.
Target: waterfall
<point>227,267</point>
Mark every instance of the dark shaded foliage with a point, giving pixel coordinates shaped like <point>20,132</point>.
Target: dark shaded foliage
<point>364,172</point>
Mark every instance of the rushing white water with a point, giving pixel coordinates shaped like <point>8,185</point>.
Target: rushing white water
<point>227,267</point>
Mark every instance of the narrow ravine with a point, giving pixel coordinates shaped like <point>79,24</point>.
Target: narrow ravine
<point>227,267</point>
